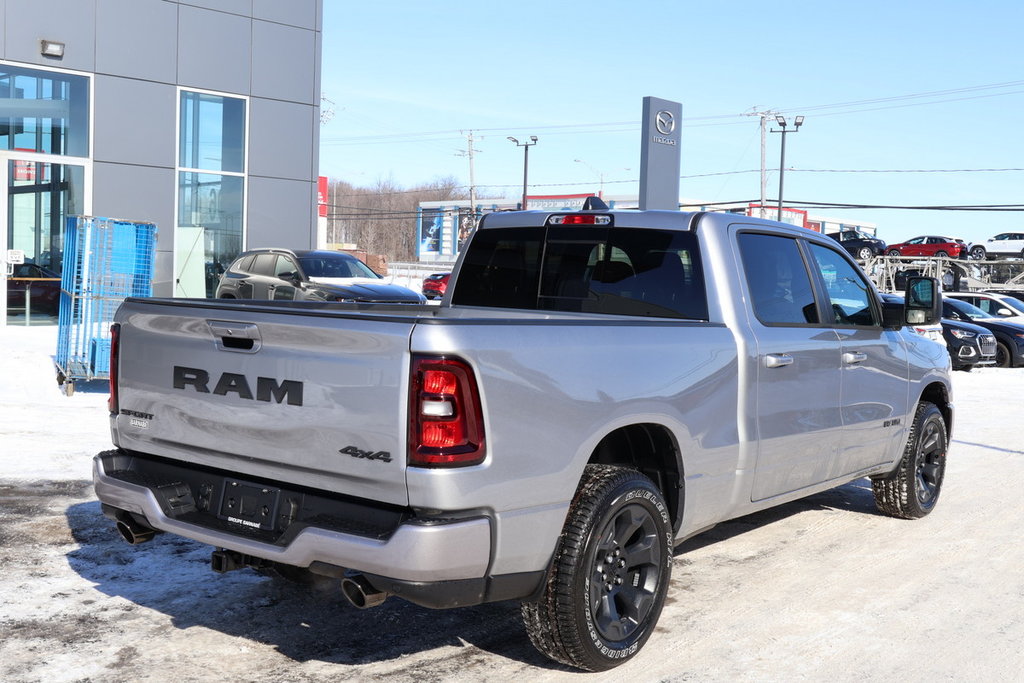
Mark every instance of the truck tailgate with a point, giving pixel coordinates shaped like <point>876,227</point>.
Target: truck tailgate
<point>315,399</point>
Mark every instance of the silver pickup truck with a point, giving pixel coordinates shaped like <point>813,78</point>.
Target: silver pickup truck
<point>595,387</point>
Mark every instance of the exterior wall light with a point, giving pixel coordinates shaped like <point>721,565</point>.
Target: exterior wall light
<point>51,48</point>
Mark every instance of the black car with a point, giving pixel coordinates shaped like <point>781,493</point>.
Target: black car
<point>284,274</point>
<point>858,244</point>
<point>1009,335</point>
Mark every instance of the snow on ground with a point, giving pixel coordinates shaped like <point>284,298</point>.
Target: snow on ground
<point>820,589</point>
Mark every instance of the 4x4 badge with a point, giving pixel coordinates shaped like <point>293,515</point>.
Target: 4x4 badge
<point>383,456</point>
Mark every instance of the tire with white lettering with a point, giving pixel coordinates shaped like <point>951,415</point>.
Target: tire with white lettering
<point>912,490</point>
<point>607,583</point>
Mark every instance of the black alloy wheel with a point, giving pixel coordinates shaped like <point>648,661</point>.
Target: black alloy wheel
<point>626,564</point>
<point>912,489</point>
<point>610,573</point>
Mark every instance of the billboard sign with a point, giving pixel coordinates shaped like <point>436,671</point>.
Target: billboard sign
<point>557,202</point>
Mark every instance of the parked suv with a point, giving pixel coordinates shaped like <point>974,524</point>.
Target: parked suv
<point>1002,245</point>
<point>929,245</point>
<point>283,274</point>
<point>858,244</point>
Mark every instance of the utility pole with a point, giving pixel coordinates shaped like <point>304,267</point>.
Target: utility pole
<point>763,115</point>
<point>472,179</point>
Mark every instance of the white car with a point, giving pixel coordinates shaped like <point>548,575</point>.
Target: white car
<point>1005,244</point>
<point>996,305</point>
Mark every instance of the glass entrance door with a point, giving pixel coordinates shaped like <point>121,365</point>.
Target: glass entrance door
<point>38,196</point>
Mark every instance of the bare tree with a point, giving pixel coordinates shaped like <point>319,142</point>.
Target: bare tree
<point>382,219</point>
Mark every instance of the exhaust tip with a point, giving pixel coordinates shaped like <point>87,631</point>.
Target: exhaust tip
<point>358,591</point>
<point>133,532</point>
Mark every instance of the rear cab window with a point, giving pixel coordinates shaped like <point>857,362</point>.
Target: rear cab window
<point>585,269</point>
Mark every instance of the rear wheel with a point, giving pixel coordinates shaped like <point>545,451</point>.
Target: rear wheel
<point>607,584</point>
<point>941,254</point>
<point>911,491</point>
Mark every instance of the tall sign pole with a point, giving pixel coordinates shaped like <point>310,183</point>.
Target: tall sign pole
<point>660,154</point>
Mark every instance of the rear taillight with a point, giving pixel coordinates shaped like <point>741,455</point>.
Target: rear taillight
<point>115,339</point>
<point>446,427</point>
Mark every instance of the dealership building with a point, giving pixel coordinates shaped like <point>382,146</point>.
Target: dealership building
<point>201,116</point>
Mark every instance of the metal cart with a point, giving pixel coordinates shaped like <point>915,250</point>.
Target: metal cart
<point>105,260</point>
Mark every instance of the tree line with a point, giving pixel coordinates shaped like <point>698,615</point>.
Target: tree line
<point>382,218</point>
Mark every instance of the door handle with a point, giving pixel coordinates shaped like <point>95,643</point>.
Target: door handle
<point>777,360</point>
<point>852,357</point>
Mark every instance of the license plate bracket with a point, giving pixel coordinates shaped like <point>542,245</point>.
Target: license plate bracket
<point>249,505</point>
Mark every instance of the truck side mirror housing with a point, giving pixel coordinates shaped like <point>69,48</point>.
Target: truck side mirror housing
<point>922,302</point>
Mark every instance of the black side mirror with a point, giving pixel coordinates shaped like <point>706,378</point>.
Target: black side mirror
<point>922,302</point>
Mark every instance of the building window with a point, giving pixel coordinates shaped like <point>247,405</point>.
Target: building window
<point>44,111</point>
<point>211,190</point>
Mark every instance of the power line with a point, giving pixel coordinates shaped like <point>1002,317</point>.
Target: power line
<point>847,107</point>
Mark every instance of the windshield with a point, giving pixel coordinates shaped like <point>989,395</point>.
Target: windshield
<point>336,265</point>
<point>964,308</point>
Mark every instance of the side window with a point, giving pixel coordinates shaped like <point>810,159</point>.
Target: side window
<point>243,264</point>
<point>780,287</point>
<point>264,264</point>
<point>285,267</point>
<point>849,294</point>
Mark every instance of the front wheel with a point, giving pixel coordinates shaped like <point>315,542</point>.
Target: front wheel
<point>607,584</point>
<point>864,253</point>
<point>893,252</point>
<point>911,491</point>
<point>1004,359</point>
<point>978,253</point>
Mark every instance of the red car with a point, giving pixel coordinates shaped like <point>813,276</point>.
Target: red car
<point>929,245</point>
<point>434,286</point>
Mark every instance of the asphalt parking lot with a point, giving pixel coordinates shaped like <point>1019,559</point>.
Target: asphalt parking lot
<point>820,589</point>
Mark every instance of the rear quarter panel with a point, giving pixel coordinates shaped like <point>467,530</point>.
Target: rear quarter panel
<point>551,390</point>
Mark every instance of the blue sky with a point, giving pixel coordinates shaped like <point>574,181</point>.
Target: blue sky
<point>409,79</point>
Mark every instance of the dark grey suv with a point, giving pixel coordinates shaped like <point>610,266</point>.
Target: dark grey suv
<point>283,274</point>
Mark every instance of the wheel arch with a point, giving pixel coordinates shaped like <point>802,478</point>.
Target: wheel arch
<point>652,449</point>
<point>938,393</point>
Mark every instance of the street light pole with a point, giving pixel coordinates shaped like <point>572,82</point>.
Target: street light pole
<point>781,120</point>
<point>526,161</point>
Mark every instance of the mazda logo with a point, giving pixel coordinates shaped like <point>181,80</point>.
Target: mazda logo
<point>665,122</point>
